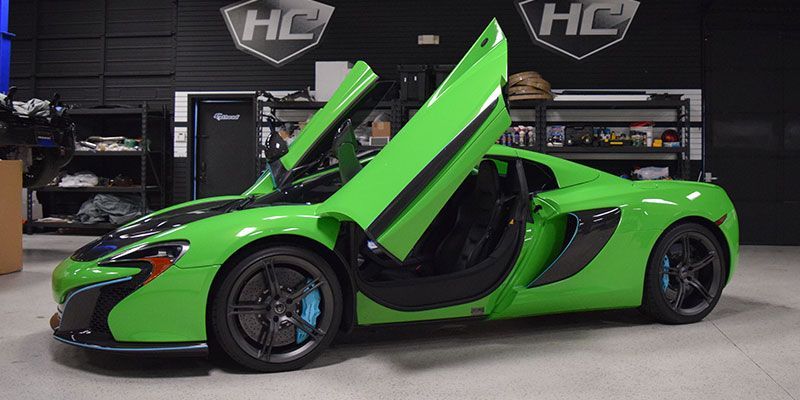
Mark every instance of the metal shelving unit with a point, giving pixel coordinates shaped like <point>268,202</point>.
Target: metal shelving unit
<point>678,155</point>
<point>394,107</point>
<point>401,110</point>
<point>150,164</point>
<point>98,189</point>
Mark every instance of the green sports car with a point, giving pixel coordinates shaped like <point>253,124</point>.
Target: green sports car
<point>439,224</point>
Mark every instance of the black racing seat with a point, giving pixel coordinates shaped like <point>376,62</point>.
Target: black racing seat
<point>466,243</point>
<point>477,217</point>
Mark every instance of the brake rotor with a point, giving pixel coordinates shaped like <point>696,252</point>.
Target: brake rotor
<point>255,290</point>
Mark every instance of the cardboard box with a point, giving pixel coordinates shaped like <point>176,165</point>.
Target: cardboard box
<point>10,221</point>
<point>381,129</point>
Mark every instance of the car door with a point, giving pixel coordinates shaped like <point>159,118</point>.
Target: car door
<point>396,196</point>
<point>317,134</point>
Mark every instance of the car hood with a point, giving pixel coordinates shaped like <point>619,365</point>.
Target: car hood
<point>153,224</point>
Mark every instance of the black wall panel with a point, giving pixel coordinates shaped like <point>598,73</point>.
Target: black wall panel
<point>743,53</point>
<point>75,46</point>
<point>94,51</point>
<point>661,49</point>
<point>752,86</point>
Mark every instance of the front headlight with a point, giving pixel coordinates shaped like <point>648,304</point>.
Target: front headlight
<point>159,257</point>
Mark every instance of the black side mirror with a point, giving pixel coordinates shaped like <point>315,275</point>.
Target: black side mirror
<point>276,147</point>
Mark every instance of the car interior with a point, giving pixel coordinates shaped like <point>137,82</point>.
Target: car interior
<point>467,250</point>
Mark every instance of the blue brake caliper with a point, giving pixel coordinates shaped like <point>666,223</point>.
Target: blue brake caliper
<point>665,274</point>
<point>310,306</point>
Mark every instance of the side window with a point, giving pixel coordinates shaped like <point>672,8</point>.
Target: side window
<point>540,177</point>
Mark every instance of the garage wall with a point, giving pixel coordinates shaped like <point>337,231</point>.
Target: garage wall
<point>753,98</point>
<point>654,54</point>
<point>654,57</point>
<point>125,52</point>
<point>94,51</point>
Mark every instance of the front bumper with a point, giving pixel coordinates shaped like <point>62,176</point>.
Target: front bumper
<point>82,319</point>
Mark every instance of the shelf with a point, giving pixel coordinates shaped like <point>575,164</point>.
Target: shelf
<point>600,104</point>
<point>616,153</point>
<point>87,153</point>
<point>413,103</point>
<point>310,105</point>
<point>105,226</point>
<point>614,149</point>
<point>151,122</point>
<point>107,111</point>
<point>610,123</point>
<point>96,189</point>
<point>294,105</point>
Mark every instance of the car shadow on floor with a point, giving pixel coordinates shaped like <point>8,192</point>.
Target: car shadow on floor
<point>362,342</point>
<point>412,347</point>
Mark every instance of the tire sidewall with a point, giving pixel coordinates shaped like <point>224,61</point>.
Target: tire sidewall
<point>219,320</point>
<point>654,302</point>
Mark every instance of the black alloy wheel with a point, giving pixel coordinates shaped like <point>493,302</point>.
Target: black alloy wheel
<point>277,309</point>
<point>685,276</point>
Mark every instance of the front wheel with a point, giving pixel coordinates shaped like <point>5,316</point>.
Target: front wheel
<point>685,275</point>
<point>277,309</point>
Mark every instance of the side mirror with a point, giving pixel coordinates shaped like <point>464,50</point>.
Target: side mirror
<point>276,147</point>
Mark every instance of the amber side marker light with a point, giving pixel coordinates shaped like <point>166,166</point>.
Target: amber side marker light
<point>160,256</point>
<point>721,220</point>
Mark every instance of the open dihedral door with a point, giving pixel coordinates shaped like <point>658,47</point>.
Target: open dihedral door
<point>397,195</point>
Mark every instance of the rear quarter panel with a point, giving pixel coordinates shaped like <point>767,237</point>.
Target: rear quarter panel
<point>614,278</point>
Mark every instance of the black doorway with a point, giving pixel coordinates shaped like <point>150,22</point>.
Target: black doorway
<point>224,145</point>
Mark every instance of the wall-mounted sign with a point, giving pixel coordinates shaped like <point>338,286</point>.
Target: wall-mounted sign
<point>276,31</point>
<point>577,28</point>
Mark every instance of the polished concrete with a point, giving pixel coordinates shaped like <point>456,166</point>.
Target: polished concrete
<point>748,348</point>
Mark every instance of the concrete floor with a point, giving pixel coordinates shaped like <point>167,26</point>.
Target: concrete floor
<point>748,348</point>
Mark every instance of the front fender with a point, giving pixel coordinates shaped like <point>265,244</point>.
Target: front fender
<point>172,308</point>
<point>214,240</point>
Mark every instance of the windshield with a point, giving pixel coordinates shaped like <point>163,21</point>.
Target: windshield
<point>312,189</point>
<point>322,154</point>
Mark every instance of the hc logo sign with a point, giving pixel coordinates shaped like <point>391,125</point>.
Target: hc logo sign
<point>276,31</point>
<point>577,28</point>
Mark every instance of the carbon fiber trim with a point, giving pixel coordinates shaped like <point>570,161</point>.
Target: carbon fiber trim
<point>592,230</point>
<point>86,309</point>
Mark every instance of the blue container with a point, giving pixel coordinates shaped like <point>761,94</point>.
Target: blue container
<point>5,47</point>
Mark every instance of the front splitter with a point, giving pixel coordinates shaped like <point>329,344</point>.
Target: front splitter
<point>167,349</point>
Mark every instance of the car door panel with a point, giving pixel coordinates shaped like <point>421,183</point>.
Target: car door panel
<point>397,195</point>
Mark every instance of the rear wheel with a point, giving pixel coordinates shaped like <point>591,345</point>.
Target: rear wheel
<point>277,309</point>
<point>685,275</point>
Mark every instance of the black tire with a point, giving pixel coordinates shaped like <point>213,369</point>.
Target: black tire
<point>681,289</point>
<point>261,331</point>
<point>44,169</point>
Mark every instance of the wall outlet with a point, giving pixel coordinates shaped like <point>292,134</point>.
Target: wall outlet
<point>428,39</point>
